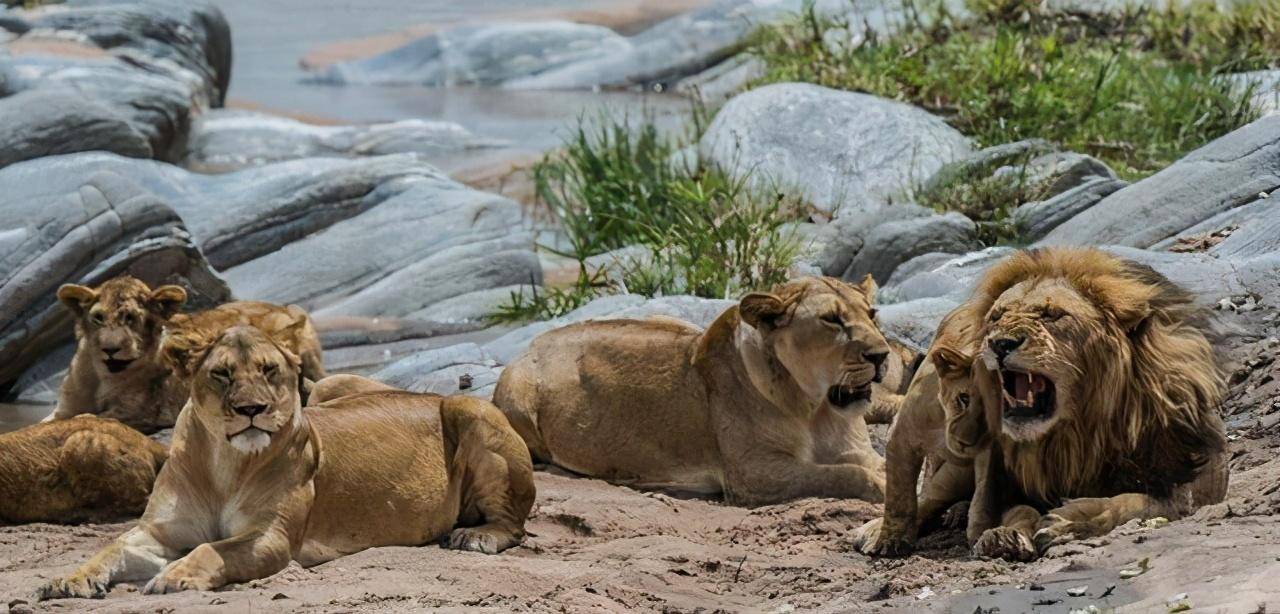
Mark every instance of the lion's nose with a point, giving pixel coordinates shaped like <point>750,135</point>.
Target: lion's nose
<point>110,352</point>
<point>1004,346</point>
<point>877,359</point>
<point>249,410</point>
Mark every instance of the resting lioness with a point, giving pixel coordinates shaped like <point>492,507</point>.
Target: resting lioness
<point>115,372</point>
<point>766,405</point>
<point>253,481</point>
<point>87,468</point>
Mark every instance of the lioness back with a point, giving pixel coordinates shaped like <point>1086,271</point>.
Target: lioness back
<point>581,393</point>
<point>371,442</point>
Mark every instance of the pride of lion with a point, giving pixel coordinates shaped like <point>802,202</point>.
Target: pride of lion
<point>1073,391</point>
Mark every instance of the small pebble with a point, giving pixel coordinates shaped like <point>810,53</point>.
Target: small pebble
<point>1078,591</point>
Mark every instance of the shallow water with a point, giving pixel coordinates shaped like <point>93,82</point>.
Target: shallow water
<point>270,37</point>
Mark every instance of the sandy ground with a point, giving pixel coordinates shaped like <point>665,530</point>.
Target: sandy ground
<point>596,546</point>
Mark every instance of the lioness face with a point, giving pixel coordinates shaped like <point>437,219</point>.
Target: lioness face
<point>120,322</point>
<point>1040,334</point>
<point>246,386</point>
<point>823,331</point>
<point>966,429</point>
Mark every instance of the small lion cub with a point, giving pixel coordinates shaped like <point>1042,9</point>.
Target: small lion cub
<point>941,420</point>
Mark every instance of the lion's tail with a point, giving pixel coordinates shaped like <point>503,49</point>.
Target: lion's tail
<point>517,396</point>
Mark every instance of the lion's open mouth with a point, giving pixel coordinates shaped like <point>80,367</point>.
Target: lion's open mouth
<point>846,395</point>
<point>115,365</point>
<point>1027,396</point>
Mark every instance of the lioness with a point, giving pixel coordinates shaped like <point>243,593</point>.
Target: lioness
<point>115,372</point>
<point>1105,391</point>
<point>253,481</point>
<point>942,421</point>
<point>766,405</point>
<point>87,468</point>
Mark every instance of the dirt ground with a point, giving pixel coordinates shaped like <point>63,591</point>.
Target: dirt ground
<point>595,546</point>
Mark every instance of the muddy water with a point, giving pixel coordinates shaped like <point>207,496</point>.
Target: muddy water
<point>269,38</point>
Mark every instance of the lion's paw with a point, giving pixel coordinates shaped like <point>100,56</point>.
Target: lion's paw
<point>486,540</point>
<point>176,578</point>
<point>872,539</point>
<point>1057,531</point>
<point>75,586</point>
<point>1004,543</point>
<point>956,516</point>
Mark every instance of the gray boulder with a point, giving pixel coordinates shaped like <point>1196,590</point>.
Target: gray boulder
<point>104,226</point>
<point>1254,237</point>
<point>1035,219</point>
<point>1227,173</point>
<point>441,371</point>
<point>833,245</point>
<point>982,162</point>
<point>43,123</point>
<point>841,149</point>
<point>489,54</point>
<point>1203,235</point>
<point>930,276</point>
<point>891,244</point>
<point>224,140</point>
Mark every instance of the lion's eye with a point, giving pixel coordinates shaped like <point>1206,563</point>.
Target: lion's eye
<point>98,318</point>
<point>963,399</point>
<point>1052,313</point>
<point>833,319</point>
<point>270,370</point>
<point>996,315</point>
<point>223,375</point>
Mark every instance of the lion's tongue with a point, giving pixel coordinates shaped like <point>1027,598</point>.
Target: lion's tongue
<point>1039,383</point>
<point>1022,387</point>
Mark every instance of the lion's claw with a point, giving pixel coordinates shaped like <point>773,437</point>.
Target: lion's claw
<point>1005,543</point>
<point>873,540</point>
<point>72,587</point>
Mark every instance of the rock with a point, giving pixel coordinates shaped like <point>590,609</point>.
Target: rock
<point>893,243</point>
<point>1226,222</point>
<point>1056,172</point>
<point>472,307</point>
<point>489,54</point>
<point>1035,219</point>
<point>190,36</point>
<point>224,140</point>
<point>150,64</point>
<point>44,123</point>
<point>697,311</point>
<point>929,276</point>
<point>1227,173</point>
<point>439,371</point>
<point>1266,89</point>
<point>385,260</point>
<point>105,226</point>
<point>914,322</point>
<point>1255,237</point>
<point>841,149</point>
<point>983,162</point>
<point>722,81</point>
<point>834,245</point>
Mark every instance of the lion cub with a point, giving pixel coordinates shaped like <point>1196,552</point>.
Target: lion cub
<point>86,468</point>
<point>115,372</point>
<point>253,481</point>
<point>941,420</point>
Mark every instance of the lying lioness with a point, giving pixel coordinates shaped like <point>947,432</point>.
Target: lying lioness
<point>253,481</point>
<point>115,372</point>
<point>87,468</point>
<point>766,405</point>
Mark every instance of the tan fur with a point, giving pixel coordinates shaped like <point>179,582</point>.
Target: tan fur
<point>128,317</point>
<point>1135,427</point>
<point>366,470</point>
<point>941,422</point>
<point>739,409</point>
<point>84,469</point>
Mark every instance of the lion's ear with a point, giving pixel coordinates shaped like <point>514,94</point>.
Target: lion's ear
<point>950,362</point>
<point>1128,302</point>
<point>289,337</point>
<point>167,300</point>
<point>761,310</point>
<point>183,349</point>
<point>868,287</point>
<point>77,298</point>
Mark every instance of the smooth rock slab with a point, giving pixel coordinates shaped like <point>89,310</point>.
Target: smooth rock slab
<point>42,123</point>
<point>1036,219</point>
<point>893,243</point>
<point>1227,173</point>
<point>224,140</point>
<point>840,149</point>
<point>106,226</point>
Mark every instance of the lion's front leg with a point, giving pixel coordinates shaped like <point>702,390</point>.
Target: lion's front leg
<point>134,556</point>
<point>775,478</point>
<point>1094,517</point>
<point>1012,540</point>
<point>215,564</point>
<point>895,533</point>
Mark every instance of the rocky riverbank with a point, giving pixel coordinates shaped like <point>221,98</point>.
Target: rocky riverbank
<point>116,156</point>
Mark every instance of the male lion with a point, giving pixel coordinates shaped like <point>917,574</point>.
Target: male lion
<point>1099,377</point>
<point>941,421</point>
<point>766,405</point>
<point>253,481</point>
<point>87,468</point>
<point>115,372</point>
